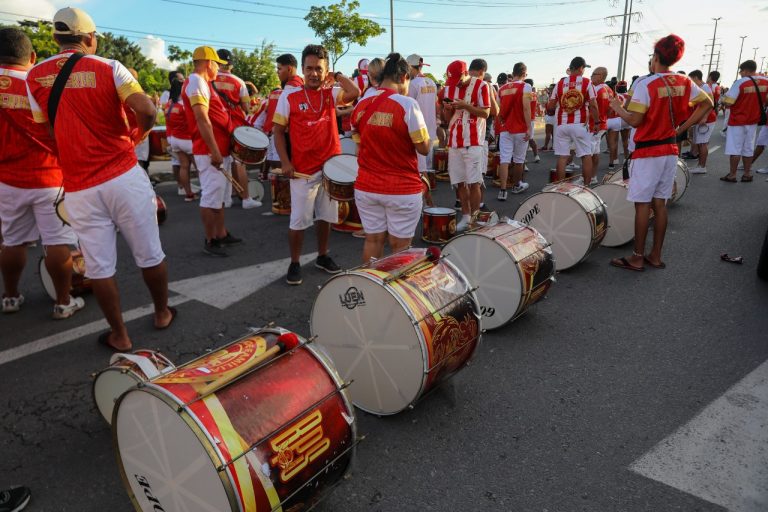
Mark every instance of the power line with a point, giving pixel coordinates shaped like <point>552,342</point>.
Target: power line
<point>495,4</point>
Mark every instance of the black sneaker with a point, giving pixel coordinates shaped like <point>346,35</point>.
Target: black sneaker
<point>294,273</point>
<point>214,248</point>
<point>14,499</point>
<point>326,263</point>
<point>228,240</point>
<point>457,205</point>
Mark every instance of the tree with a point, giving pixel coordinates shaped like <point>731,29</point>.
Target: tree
<point>119,48</point>
<point>41,35</point>
<point>339,26</point>
<point>257,67</point>
<point>182,58</point>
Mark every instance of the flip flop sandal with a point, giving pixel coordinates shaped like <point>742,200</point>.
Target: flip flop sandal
<point>747,178</point>
<point>174,312</point>
<point>735,259</point>
<point>104,340</point>
<point>661,264</point>
<point>729,178</point>
<point>626,265</point>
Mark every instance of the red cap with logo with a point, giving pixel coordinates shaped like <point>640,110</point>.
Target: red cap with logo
<point>455,71</point>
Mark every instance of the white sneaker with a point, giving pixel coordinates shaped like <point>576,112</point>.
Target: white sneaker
<point>698,170</point>
<point>764,170</point>
<point>250,202</point>
<point>520,187</point>
<point>593,181</point>
<point>537,159</point>
<point>573,167</point>
<point>502,195</point>
<point>462,225</point>
<point>61,312</point>
<point>525,168</point>
<point>579,181</point>
<point>228,203</point>
<point>182,192</point>
<point>12,304</point>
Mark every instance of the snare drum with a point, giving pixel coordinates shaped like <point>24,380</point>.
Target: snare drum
<point>124,372</point>
<point>682,179</point>
<point>339,175</point>
<point>162,210</point>
<point>80,283</point>
<point>494,160</point>
<point>277,438</point>
<point>571,217</point>
<point>280,186</point>
<point>351,222</point>
<point>438,224</point>
<point>621,213</point>
<point>397,336</point>
<point>510,263</point>
<point>158,144</point>
<point>249,145</point>
<point>348,146</point>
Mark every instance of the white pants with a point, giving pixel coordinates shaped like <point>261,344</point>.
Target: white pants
<point>512,147</point>
<point>28,213</point>
<point>213,182</point>
<point>740,140</point>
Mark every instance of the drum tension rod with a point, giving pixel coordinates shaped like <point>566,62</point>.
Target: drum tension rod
<point>264,439</point>
<point>417,322</point>
<point>443,360</point>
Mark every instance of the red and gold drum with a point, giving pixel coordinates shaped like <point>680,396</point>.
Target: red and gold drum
<point>571,217</point>
<point>440,160</point>
<point>162,210</point>
<point>339,175</point>
<point>277,438</point>
<point>438,225</point>
<point>249,145</point>
<point>280,186</point>
<point>158,144</point>
<point>397,328</point>
<point>511,265</point>
<point>431,177</point>
<point>494,159</point>
<point>80,283</point>
<point>352,222</point>
<point>124,372</point>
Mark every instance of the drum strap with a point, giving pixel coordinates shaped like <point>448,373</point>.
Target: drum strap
<point>763,119</point>
<point>58,86</point>
<point>371,109</point>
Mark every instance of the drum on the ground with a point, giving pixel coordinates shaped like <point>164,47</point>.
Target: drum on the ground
<point>249,145</point>
<point>124,372</point>
<point>279,437</point>
<point>348,146</point>
<point>571,217</point>
<point>438,225</point>
<point>621,212</point>
<point>280,187</point>
<point>162,210</point>
<point>509,263</point>
<point>80,283</point>
<point>395,329</point>
<point>158,144</point>
<point>351,222</point>
<point>339,175</point>
<point>440,160</point>
<point>255,190</point>
<point>553,175</point>
<point>682,179</point>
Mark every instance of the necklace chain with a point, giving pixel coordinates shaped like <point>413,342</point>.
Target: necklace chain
<point>310,103</point>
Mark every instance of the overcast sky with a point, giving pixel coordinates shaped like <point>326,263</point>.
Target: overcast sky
<point>544,34</point>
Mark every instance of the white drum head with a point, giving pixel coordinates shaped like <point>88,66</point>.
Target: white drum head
<point>489,265</point>
<point>158,448</point>
<point>256,190</point>
<point>251,137</point>
<point>371,339</point>
<point>341,168</point>
<point>681,180</point>
<point>108,386</point>
<point>617,177</point>
<point>348,146</point>
<point>562,221</point>
<point>621,214</point>
<point>45,278</point>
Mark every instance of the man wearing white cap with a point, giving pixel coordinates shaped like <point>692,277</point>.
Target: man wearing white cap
<point>104,185</point>
<point>424,91</point>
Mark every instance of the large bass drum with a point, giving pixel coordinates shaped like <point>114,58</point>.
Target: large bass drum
<point>621,213</point>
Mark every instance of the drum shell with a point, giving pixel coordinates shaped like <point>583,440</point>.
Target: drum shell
<point>80,284</point>
<point>438,225</point>
<point>440,160</point>
<point>247,155</point>
<point>339,175</point>
<point>162,210</point>
<point>337,190</point>
<point>158,144</point>
<point>268,443</point>
<point>431,179</point>
<point>280,187</point>
<point>494,159</point>
<point>351,222</point>
<point>682,179</point>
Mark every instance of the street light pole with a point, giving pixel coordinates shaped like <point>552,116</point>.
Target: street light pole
<point>392,26</point>
<point>620,72</point>
<point>740,50</point>
<point>754,57</point>
<point>712,53</point>
<point>626,46</point>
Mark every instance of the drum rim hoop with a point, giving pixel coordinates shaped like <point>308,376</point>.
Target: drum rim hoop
<point>251,129</point>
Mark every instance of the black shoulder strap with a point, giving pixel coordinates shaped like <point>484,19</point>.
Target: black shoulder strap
<point>59,84</point>
<point>759,95</point>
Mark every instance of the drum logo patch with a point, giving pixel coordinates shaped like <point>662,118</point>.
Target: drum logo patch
<point>533,212</point>
<point>5,82</point>
<point>352,298</point>
<point>298,445</point>
<point>572,101</point>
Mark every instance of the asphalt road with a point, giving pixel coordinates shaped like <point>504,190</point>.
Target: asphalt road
<point>548,417</point>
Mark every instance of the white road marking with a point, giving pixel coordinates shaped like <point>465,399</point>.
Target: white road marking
<point>721,455</point>
<point>219,290</point>
<point>713,149</point>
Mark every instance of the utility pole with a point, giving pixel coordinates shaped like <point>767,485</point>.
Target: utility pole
<point>712,53</point>
<point>626,46</point>
<point>392,26</point>
<point>762,61</point>
<point>620,73</point>
<point>740,50</point>
<point>624,36</point>
<point>717,64</point>
<point>754,57</point>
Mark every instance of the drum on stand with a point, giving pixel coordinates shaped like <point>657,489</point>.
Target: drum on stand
<point>571,217</point>
<point>80,283</point>
<point>249,145</point>
<point>278,437</point>
<point>397,328</point>
<point>339,175</point>
<point>438,225</point>
<point>348,146</point>
<point>280,187</point>
<point>682,179</point>
<point>509,263</point>
<point>124,372</point>
<point>158,144</point>
<point>621,212</point>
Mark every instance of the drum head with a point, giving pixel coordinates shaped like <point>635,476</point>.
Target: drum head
<point>61,211</point>
<point>348,146</point>
<point>45,279</point>
<point>621,214</point>
<point>341,168</point>
<point>438,211</point>
<point>251,137</point>
<point>562,221</point>
<point>256,190</point>
<point>146,428</point>
<point>487,264</point>
<point>107,388</point>
<point>681,180</point>
<point>370,336</point>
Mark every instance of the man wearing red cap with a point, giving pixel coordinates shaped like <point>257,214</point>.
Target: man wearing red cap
<point>466,101</point>
<point>657,104</point>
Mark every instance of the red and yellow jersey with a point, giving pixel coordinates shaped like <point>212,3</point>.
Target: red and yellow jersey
<point>274,96</point>
<point>743,100</point>
<point>387,157</point>
<point>573,94</point>
<point>234,91</point>
<point>652,97</point>
<point>603,95</point>
<point>176,121</point>
<point>310,116</point>
<point>196,91</point>
<point>92,133</point>
<point>534,104</point>
<point>716,92</point>
<point>466,129</point>
<point>515,97</point>
<point>26,160</point>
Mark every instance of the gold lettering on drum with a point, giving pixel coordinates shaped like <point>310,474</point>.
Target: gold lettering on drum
<point>300,444</point>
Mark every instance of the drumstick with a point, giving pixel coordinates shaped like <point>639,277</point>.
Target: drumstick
<point>235,185</point>
<point>285,342</point>
<point>432,254</point>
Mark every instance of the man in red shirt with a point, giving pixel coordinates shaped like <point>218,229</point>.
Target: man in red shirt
<point>617,126</point>
<point>286,72</point>
<point>744,100</point>
<point>603,95</point>
<point>104,185</point>
<point>514,126</point>
<point>657,103</point>
<point>30,181</point>
<point>308,115</point>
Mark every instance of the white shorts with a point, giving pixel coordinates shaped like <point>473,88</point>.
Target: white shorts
<point>397,215</point>
<point>126,202</point>
<point>762,136</point>
<point>530,133</point>
<point>596,140</point>
<point>308,197</point>
<point>617,124</point>
<point>549,120</point>
<point>465,165</point>
<point>180,145</point>
<point>702,133</point>
<point>652,177</point>
<point>142,150</point>
<point>213,182</point>
<point>576,134</point>
<point>740,140</point>
<point>484,161</point>
<point>512,147</point>
<point>271,150</point>
<point>174,152</point>
<point>28,214</point>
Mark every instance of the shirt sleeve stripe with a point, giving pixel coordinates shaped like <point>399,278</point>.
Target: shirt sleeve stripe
<point>198,100</point>
<point>128,89</point>
<point>279,119</point>
<point>637,107</point>
<point>420,135</point>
